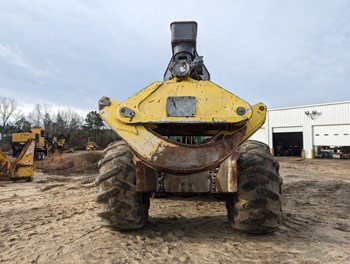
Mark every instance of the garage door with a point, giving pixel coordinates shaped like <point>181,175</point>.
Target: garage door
<point>287,143</point>
<point>337,135</point>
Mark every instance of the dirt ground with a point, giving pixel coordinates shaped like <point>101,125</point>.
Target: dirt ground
<point>53,220</point>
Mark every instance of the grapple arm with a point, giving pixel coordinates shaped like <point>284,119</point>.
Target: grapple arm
<point>186,104</point>
<point>222,117</point>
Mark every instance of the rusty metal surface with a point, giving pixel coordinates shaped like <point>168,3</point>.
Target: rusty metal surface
<point>151,180</point>
<point>159,152</point>
<point>190,166</point>
<point>226,178</point>
<point>187,183</point>
<point>183,159</point>
<point>146,177</point>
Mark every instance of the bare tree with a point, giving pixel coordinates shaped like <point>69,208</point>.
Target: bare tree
<point>70,116</point>
<point>8,107</point>
<point>39,114</point>
<point>35,116</point>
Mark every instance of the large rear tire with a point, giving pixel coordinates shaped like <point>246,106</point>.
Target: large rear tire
<point>120,206</point>
<point>256,208</point>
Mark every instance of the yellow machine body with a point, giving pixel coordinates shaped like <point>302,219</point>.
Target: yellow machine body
<point>186,136</point>
<point>212,111</point>
<point>23,167</point>
<point>213,103</point>
<point>41,136</point>
<point>22,137</point>
<point>38,134</point>
<point>91,145</point>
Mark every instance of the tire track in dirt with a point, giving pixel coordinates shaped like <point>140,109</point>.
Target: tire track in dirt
<point>59,225</point>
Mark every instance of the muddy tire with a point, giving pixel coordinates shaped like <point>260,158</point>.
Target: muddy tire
<point>120,206</point>
<point>256,208</point>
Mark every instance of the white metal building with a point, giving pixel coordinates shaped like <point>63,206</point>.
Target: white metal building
<point>302,130</point>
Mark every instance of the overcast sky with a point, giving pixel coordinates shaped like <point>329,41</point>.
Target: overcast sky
<point>69,53</point>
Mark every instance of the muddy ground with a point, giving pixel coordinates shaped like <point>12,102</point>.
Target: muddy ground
<point>53,220</point>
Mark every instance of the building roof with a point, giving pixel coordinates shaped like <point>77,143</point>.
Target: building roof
<point>313,105</point>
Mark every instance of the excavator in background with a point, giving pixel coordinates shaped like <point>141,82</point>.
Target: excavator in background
<point>187,135</point>
<point>23,167</point>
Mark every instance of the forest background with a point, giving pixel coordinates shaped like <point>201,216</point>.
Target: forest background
<point>63,123</point>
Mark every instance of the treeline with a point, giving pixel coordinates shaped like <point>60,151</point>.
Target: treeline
<point>68,124</point>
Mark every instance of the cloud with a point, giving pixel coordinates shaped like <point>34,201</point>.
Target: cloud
<point>72,53</point>
<point>14,56</point>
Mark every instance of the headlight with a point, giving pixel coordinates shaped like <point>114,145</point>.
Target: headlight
<point>181,69</point>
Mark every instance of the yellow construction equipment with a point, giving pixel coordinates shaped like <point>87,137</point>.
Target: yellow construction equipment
<point>23,167</point>
<point>41,144</point>
<point>58,145</point>
<point>187,135</point>
<point>91,145</point>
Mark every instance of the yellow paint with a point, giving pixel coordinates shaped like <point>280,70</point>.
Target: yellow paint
<point>22,137</point>
<point>40,132</point>
<point>256,121</point>
<point>137,136</point>
<point>23,166</point>
<point>213,105</point>
<point>36,133</point>
<point>5,164</point>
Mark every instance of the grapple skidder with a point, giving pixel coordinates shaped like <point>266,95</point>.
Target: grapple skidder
<point>187,135</point>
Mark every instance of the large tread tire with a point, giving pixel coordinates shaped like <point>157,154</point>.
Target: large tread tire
<point>256,208</point>
<point>120,206</point>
